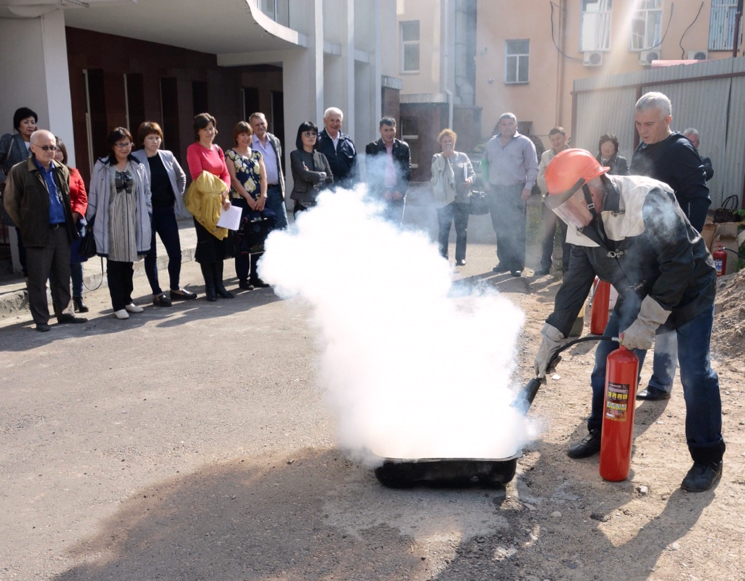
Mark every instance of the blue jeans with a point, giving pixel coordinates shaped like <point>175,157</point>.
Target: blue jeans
<point>276,204</point>
<point>164,224</point>
<point>664,362</point>
<point>446,215</point>
<point>700,385</point>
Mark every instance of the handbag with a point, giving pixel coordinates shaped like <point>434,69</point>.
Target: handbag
<point>478,204</point>
<point>88,242</point>
<point>255,227</point>
<point>728,212</point>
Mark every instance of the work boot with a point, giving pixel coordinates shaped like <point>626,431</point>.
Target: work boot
<point>589,446</point>
<point>702,476</point>
<point>209,282</point>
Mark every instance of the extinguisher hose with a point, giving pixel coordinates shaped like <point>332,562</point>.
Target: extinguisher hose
<point>528,393</point>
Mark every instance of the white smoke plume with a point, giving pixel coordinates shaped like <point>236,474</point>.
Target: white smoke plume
<point>409,371</point>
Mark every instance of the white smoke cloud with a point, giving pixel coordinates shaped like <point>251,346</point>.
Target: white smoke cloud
<point>408,371</point>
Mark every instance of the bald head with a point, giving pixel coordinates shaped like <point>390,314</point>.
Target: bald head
<point>43,145</point>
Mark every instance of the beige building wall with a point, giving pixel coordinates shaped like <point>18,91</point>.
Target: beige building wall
<point>554,28</point>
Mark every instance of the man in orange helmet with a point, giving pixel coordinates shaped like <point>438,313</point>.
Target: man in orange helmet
<point>631,232</point>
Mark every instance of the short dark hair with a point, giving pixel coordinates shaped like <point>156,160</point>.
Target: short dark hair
<point>148,128</point>
<point>390,121</point>
<point>117,134</point>
<point>21,114</point>
<point>556,130</point>
<point>61,146</point>
<point>608,137</point>
<point>201,121</point>
<point>305,126</point>
<point>241,127</point>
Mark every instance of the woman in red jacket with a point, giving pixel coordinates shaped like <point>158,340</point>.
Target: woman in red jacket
<point>79,203</point>
<point>203,155</point>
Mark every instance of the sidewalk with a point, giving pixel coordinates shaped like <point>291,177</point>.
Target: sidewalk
<point>13,296</point>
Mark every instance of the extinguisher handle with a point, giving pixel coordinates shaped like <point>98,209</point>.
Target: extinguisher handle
<point>574,342</point>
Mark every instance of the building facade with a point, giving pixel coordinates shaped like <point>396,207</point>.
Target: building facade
<point>87,67</point>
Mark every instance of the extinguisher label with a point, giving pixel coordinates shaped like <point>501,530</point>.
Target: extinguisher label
<point>617,402</point>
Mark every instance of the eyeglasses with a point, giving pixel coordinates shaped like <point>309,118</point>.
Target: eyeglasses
<point>46,147</point>
<point>123,145</point>
<point>310,134</point>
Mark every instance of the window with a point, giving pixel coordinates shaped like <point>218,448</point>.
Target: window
<point>646,25</point>
<point>516,60</point>
<point>410,46</point>
<point>595,26</point>
<point>722,24</point>
<point>410,134</point>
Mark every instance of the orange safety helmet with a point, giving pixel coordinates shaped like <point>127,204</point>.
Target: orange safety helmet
<point>566,175</point>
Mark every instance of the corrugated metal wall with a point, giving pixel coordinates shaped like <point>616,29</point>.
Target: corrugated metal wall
<point>709,96</point>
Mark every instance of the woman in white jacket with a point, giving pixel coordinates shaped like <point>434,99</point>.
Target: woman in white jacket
<point>452,176</point>
<point>167,184</point>
<point>119,204</point>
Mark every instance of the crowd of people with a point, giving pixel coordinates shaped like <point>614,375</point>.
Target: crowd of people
<point>636,226</point>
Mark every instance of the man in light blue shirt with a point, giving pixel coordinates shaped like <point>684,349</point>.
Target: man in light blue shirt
<point>510,168</point>
<point>271,150</point>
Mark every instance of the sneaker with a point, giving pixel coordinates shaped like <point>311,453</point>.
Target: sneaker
<point>133,308</point>
<point>121,314</point>
<point>589,446</point>
<point>701,476</point>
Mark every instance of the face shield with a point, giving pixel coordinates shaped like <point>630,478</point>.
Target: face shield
<point>574,207</point>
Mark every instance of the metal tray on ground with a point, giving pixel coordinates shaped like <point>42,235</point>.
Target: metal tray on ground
<point>396,473</point>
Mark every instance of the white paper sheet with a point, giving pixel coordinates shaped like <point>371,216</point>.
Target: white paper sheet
<point>230,218</point>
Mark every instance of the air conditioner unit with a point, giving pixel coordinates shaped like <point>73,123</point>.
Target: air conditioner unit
<point>698,55</point>
<point>592,59</point>
<point>647,56</point>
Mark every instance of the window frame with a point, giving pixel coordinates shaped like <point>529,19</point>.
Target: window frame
<point>722,24</point>
<point>604,18</point>
<point>646,12</point>
<point>518,59</point>
<point>404,44</point>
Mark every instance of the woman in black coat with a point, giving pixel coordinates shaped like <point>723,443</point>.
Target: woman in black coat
<point>608,155</point>
<point>310,168</point>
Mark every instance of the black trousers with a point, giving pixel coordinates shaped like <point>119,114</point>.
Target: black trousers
<point>507,210</point>
<point>119,276</point>
<point>49,262</point>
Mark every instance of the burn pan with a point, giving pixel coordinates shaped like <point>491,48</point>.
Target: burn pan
<point>455,472</point>
<point>443,472</point>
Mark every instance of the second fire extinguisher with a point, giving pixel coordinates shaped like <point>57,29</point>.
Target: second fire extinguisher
<point>600,307</point>
<point>720,260</point>
<point>622,372</point>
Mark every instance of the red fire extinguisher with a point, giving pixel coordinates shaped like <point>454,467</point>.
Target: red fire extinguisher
<point>621,373</point>
<point>600,302</point>
<point>720,260</point>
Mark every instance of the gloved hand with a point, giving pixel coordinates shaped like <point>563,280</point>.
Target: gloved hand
<point>551,343</point>
<point>640,334</point>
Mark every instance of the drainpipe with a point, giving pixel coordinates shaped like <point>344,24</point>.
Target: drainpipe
<point>445,74</point>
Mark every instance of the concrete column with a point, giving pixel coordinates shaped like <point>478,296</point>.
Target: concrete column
<point>34,66</point>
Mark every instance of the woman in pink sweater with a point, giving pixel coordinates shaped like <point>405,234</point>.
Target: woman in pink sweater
<point>203,155</point>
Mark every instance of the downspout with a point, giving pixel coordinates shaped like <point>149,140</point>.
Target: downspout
<point>445,76</point>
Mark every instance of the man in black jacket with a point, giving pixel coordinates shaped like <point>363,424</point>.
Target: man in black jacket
<point>389,169</point>
<point>339,149</point>
<point>37,198</point>
<point>630,231</point>
<point>671,158</point>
